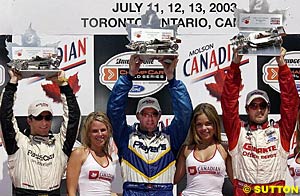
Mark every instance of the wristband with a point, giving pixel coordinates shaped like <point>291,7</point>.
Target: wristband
<point>62,80</point>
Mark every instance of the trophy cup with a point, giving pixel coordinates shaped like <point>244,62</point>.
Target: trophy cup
<point>30,59</point>
<point>36,66</point>
<point>150,40</point>
<point>260,33</point>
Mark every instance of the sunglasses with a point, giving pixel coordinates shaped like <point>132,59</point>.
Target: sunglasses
<point>41,117</point>
<point>255,106</point>
<point>150,114</point>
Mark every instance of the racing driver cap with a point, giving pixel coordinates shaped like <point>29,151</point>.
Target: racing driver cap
<point>148,102</point>
<point>38,107</point>
<point>257,94</point>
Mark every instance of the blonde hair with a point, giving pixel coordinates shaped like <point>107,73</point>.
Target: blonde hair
<point>212,115</point>
<point>96,116</point>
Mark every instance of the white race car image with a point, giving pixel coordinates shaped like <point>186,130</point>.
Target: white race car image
<point>155,46</point>
<point>36,63</point>
<point>272,37</point>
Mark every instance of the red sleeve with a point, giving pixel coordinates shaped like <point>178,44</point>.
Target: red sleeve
<point>289,105</point>
<point>230,105</point>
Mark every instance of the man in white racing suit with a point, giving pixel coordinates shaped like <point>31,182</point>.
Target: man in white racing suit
<point>37,157</point>
<point>259,148</point>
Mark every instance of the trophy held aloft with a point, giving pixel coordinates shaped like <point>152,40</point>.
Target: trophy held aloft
<point>260,32</point>
<point>31,59</point>
<point>36,66</point>
<point>150,40</point>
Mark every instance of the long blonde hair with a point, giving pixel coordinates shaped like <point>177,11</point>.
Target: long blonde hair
<point>96,116</point>
<point>212,115</point>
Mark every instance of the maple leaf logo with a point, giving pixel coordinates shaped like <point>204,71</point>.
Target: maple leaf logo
<point>216,89</point>
<point>52,90</point>
<point>93,174</point>
<point>74,83</point>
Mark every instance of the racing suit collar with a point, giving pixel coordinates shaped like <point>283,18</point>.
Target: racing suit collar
<point>37,138</point>
<point>27,132</point>
<point>155,132</point>
<point>42,139</point>
<point>254,127</point>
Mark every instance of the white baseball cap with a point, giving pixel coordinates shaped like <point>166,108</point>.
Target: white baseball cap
<point>38,107</point>
<point>257,94</point>
<point>148,102</point>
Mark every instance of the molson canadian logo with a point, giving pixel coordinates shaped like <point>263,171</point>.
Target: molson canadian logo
<point>73,52</point>
<point>270,70</point>
<point>149,80</point>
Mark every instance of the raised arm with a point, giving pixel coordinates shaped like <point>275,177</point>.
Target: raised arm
<point>71,113</point>
<point>8,121</point>
<point>230,103</point>
<point>117,103</point>
<point>289,101</point>
<point>182,107</point>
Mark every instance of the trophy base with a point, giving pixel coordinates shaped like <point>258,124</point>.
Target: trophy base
<point>264,43</point>
<point>157,56</point>
<point>38,73</point>
<point>269,51</point>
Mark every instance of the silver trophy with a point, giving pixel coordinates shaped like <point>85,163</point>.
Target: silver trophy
<point>36,66</point>
<point>260,31</point>
<point>150,40</point>
<point>31,59</point>
<point>259,42</point>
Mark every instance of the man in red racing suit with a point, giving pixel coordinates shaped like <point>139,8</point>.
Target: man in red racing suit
<point>259,148</point>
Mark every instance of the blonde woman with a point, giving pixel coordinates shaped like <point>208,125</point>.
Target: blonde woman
<point>91,168</point>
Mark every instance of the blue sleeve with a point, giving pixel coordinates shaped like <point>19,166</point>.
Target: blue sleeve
<point>116,106</point>
<point>183,109</point>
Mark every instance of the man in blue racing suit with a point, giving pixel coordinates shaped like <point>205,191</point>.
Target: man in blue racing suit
<point>147,153</point>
